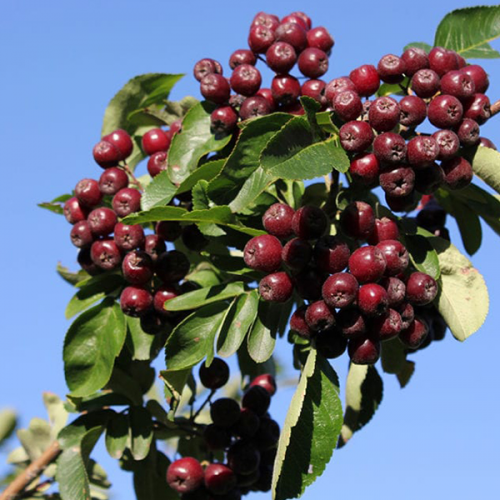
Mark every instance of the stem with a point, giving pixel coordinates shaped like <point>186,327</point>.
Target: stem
<point>193,418</point>
<point>330,205</point>
<point>133,177</point>
<point>495,108</point>
<point>31,472</point>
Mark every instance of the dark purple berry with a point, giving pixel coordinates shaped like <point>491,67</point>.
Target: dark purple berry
<point>276,287</point>
<point>263,253</point>
<point>421,289</point>
<point>366,79</point>
<point>112,180</point>
<point>445,111</point>
<point>277,220</point>
<point>340,290</point>
<point>356,136</point>
<point>413,111</point>
<point>135,301</point>
<point>309,222</point>
<point>185,475</point>
<point>126,201</point>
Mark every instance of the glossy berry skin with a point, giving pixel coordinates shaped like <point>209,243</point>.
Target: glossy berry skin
<point>297,254</point>
<point>247,425</point>
<point>74,211</point>
<point>285,89</point>
<point>112,180</point>
<point>215,88</point>
<point>396,290</point>
<point>102,221</point>
<point>356,136</point>
<point>421,289</point>
<point>372,299</point>
<point>468,132</point>
<point>305,18</point>
<point>263,19</point>
<point>415,59</point>
<point>81,235</point>
<point>154,246</point>
<point>479,77</point>
<point>384,229</point>
<point>415,334</point>
<point>458,172</point>
<point>389,148</point>
<point>320,38</point>
<point>458,84</point>
<point>309,222</point>
<point>246,80</point>
<point>291,18</point>
<point>402,203</point>
<point>486,143</point>
<point>319,316</point>
<point>276,287</point>
<point>157,163</point>
<point>266,381</point>
<point>281,57</point>
<point>391,68</point>
<point>347,105</point>
<point>267,94</point>
<point>293,34</point>
<point>223,120</point>
<point>407,314</point>
<point>387,326</point>
<point>216,375</point>
<point>88,193</point>
<point>422,151</point>
<point>219,479</point>
<point>313,62</point>
<point>172,266</point>
<point>106,155</point>
<point>425,83</point>
<point>398,182</point>
<point>298,322</point>
<point>315,89</point>
<point>121,139</point>
<point>478,108</point>
<point>105,254</point>
<point>396,257</point>
<point>206,67</point>
<point>161,296</point>
<point>384,114</point>
<point>338,85</point>
<point>357,220</point>
<point>366,79</point>
<point>413,111</point>
<point>442,60</point>
<point>445,111</point>
<point>367,264</point>
<point>263,253</point>
<point>363,350</point>
<point>155,140</point>
<point>257,399</point>
<point>255,106</point>
<point>137,267</point>
<point>448,144</point>
<point>365,169</point>
<point>185,475</point>
<point>126,201</point>
<point>340,290</point>
<point>351,322</point>
<point>242,56</point>
<point>277,220</point>
<point>225,412</point>
<point>135,301</point>
<point>330,343</point>
<point>261,38</point>
<point>86,263</point>
<point>331,254</point>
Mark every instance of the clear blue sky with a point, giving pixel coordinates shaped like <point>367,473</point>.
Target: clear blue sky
<point>61,64</point>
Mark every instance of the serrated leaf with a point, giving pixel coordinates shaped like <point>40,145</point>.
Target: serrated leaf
<point>93,422</point>
<point>325,122</point>
<point>310,431</point>
<point>405,374</point>
<point>141,427</point>
<point>201,200</point>
<point>205,172</point>
<point>244,159</point>
<point>8,423</point>
<point>251,189</point>
<point>144,346</point>
<point>422,255</point>
<point>159,192</point>
<point>420,45</point>
<point>468,31</point>
<point>262,336</point>
<point>92,291</point>
<point>193,338</point>
<point>364,389</point>
<point>205,296</point>
<point>58,415</point>
<point>72,476</point>
<point>194,141</point>
<point>91,345</point>
<point>311,107</point>
<point>462,299</point>
<point>237,323</point>
<point>117,437</point>
<point>155,214</point>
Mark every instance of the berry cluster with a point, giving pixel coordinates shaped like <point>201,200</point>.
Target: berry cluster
<point>245,434</point>
<point>356,309</point>
<point>280,44</point>
<point>106,244</point>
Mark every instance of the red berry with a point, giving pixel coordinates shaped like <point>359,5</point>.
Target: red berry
<point>206,67</point>
<point>277,220</point>
<point>414,335</point>
<point>313,62</point>
<point>372,299</point>
<point>73,211</point>
<point>261,38</point>
<point>266,381</point>
<point>319,316</point>
<point>155,140</point>
<point>391,68</point>
<point>296,254</point>
<point>245,80</point>
<point>365,169</point>
<point>320,38</point>
<point>442,60</point>
<point>298,322</point>
<point>106,154</point>
<point>214,88</point>
<point>81,235</point>
<point>387,326</point>
<point>340,290</point>
<point>458,84</point>
<point>157,163</point>
<point>276,287</point>
<point>396,256</point>
<point>479,77</point>
<point>366,79</point>
<point>281,57</point>
<point>105,254</point>
<point>384,229</point>
<point>384,114</point>
<point>102,221</point>
<point>254,107</point>
<point>421,289</point>
<point>331,254</point>
<point>347,105</point>
<point>338,85</point>
<point>242,56</point>
<point>448,144</point>
<point>309,222</point>
<point>161,296</point>
<point>363,350</point>
<point>137,267</point>
<point>425,83</point>
<point>292,33</point>
<point>356,136</point>
<point>415,59</point>
<point>357,220</point>
<point>458,172</point>
<point>398,182</point>
<point>413,111</point>
<point>389,148</point>
<point>219,479</point>
<point>263,253</point>
<point>185,475</point>
<point>112,180</point>
<point>126,201</point>
<point>154,246</point>
<point>121,139</point>
<point>367,264</point>
<point>285,89</point>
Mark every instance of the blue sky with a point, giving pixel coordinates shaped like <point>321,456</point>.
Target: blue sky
<point>61,63</point>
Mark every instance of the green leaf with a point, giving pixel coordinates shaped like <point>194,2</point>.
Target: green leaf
<point>392,88</point>
<point>56,205</point>
<point>205,172</point>
<point>144,346</point>
<point>200,196</point>
<point>155,214</point>
<point>141,427</point>
<point>364,389</point>
<point>158,192</point>
<point>311,429</point>
<point>292,153</point>
<point>249,368</point>
<point>463,298</point>
<point>311,107</point>
<point>117,437</point>
<point>406,373</point>
<point>8,423</point>
<point>422,255</point>
<point>468,31</point>
<point>194,141</point>
<point>91,345</point>
<point>325,122</point>
<point>36,438</point>
<point>262,336</point>
<point>237,323</point>
<point>175,381</point>
<point>486,165</point>
<point>393,356</point>
<point>205,296</point>
<point>167,112</point>
<point>58,415</point>
<point>137,93</point>
<point>149,478</point>
<point>70,277</point>
<point>245,158</point>
<point>420,45</point>
<point>72,475</point>
<point>92,291</point>
<point>193,338</point>
<point>92,423</point>
<point>251,190</point>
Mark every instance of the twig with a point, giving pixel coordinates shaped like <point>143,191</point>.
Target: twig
<point>134,178</point>
<point>31,472</point>
<point>193,418</point>
<point>495,108</point>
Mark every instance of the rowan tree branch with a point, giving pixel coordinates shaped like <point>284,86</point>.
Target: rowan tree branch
<point>495,108</point>
<point>31,472</point>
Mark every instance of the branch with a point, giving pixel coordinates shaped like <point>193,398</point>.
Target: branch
<point>31,472</point>
<point>495,108</point>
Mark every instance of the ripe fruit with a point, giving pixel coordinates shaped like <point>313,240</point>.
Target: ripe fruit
<point>285,89</point>
<point>331,254</point>
<point>340,290</point>
<point>205,67</point>
<point>219,479</point>
<point>366,80</point>
<point>320,38</point>
<point>224,412</point>
<point>242,56</point>
<point>245,80</point>
<point>263,253</point>
<point>102,221</point>
<point>185,475</point>
<point>319,316</point>
<point>384,114</point>
<point>136,301</point>
<point>172,266</point>
<point>257,399</point>
<point>445,111</point>
<point>313,62</point>
<point>126,201</point>
<point>297,253</point>
<point>88,193</point>
<point>106,154</point>
<point>396,256</point>
<point>309,222</point>
<point>155,140</point>
<point>389,148</point>
<point>355,136</point>
<point>458,172</point>
<point>391,68</point>
<point>112,180</point>
<point>276,287</point>
<point>277,220</point>
<point>266,381</point>
<point>367,264</point>
<point>73,211</point>
<point>364,350</point>
<point>121,139</point>
<point>161,296</point>
<point>357,220</point>
<point>372,299</point>
<point>137,267</point>
<point>157,163</point>
<point>347,105</point>
<point>421,289</point>
<point>281,57</point>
